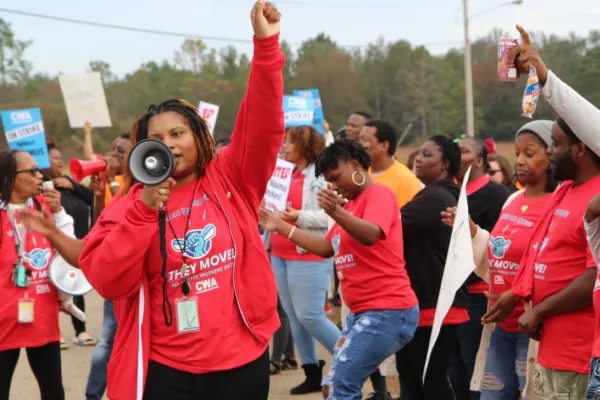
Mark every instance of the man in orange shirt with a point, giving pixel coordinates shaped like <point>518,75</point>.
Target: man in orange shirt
<point>380,139</point>
<point>113,176</point>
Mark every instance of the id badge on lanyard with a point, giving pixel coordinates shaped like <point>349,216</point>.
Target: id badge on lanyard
<point>26,310</point>
<point>19,275</point>
<point>187,314</point>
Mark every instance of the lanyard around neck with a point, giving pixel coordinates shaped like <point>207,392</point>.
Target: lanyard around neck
<point>19,241</point>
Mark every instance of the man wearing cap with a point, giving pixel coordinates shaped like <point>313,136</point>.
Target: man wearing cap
<point>558,272</point>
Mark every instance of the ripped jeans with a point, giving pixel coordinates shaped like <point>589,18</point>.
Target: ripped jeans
<point>593,390</point>
<point>506,365</point>
<point>367,340</point>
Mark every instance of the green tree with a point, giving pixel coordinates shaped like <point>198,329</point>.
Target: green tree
<point>13,65</point>
<point>104,69</point>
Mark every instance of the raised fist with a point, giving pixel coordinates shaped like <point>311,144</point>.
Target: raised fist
<point>265,19</point>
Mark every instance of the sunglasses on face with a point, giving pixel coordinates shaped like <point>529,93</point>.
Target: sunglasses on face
<point>33,171</point>
<point>493,172</point>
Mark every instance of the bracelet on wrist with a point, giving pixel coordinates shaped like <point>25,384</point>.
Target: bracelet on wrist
<point>292,232</point>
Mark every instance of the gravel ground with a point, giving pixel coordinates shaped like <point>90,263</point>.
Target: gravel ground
<point>76,364</point>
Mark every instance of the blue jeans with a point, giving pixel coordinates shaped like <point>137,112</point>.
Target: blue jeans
<point>506,366</point>
<point>593,390</point>
<point>302,288</point>
<point>96,384</point>
<point>462,361</point>
<point>367,340</point>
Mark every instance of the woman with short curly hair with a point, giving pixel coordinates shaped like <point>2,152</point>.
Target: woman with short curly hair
<point>302,277</point>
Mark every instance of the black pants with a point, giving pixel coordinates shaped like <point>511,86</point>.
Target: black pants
<point>78,325</point>
<point>464,353</point>
<point>45,364</point>
<point>283,342</point>
<point>250,382</point>
<point>410,362</point>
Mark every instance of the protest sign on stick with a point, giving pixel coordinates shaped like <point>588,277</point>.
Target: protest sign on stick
<point>459,265</point>
<point>85,100</point>
<point>209,112</point>
<point>24,131</point>
<point>318,116</point>
<point>298,111</point>
<point>278,187</point>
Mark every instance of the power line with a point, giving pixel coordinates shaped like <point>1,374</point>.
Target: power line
<point>339,5</point>
<point>175,34</point>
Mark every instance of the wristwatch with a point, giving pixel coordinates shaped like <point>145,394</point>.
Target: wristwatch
<point>115,184</point>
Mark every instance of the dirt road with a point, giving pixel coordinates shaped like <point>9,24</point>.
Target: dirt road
<point>76,365</point>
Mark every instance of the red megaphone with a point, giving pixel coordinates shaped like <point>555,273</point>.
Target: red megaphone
<point>80,169</point>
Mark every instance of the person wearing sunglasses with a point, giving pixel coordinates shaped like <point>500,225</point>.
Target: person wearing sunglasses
<point>28,300</point>
<point>501,171</point>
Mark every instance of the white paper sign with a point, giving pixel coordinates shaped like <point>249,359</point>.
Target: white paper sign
<point>459,265</point>
<point>209,112</point>
<point>279,186</point>
<point>85,100</point>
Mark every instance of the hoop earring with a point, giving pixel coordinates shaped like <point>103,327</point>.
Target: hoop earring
<point>364,178</point>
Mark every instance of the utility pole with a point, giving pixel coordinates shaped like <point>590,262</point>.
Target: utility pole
<point>470,128</point>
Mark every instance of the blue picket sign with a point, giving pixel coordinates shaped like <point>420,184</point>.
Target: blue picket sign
<point>298,111</point>
<point>24,131</point>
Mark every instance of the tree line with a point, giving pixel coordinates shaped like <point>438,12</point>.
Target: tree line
<point>420,93</point>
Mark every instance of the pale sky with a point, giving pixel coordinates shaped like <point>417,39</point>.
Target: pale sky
<point>68,48</point>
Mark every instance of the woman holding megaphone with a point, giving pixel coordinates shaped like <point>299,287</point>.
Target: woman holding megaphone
<point>194,293</point>
<point>28,300</point>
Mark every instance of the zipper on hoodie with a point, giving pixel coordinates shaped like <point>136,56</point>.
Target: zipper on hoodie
<point>237,300</point>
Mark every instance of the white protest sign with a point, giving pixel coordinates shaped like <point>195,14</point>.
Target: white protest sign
<point>459,265</point>
<point>85,100</point>
<point>209,112</point>
<point>279,186</point>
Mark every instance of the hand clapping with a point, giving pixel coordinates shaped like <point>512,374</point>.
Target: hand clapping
<point>267,219</point>
<point>328,201</point>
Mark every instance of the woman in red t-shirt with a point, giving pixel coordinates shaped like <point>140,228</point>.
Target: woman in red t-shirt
<point>366,241</point>
<point>28,300</point>
<point>302,277</point>
<point>500,256</point>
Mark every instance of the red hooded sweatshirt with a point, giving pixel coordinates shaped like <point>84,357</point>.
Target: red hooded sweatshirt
<point>121,252</point>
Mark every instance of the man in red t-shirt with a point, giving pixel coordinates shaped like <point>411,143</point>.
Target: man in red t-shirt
<point>563,271</point>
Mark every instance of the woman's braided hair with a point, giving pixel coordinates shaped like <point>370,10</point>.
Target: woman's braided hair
<point>204,140</point>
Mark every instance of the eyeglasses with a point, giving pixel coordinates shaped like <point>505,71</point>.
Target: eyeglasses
<point>33,171</point>
<point>493,172</point>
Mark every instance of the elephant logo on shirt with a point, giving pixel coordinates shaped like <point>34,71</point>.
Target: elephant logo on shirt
<point>335,242</point>
<point>498,246</point>
<point>197,243</point>
<point>37,258</point>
